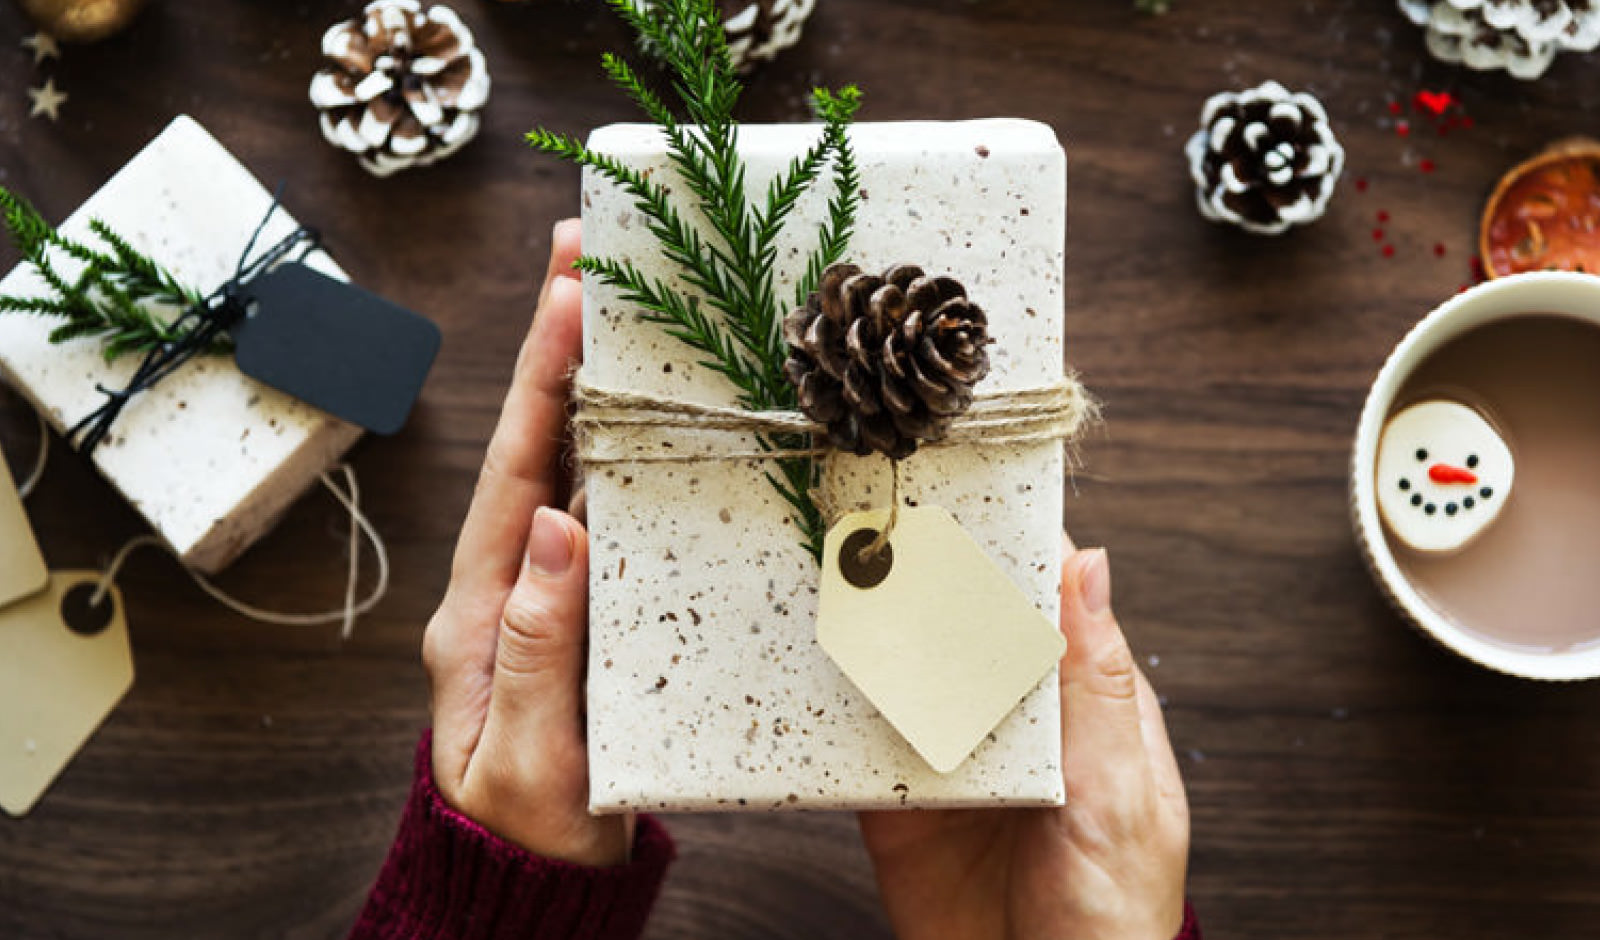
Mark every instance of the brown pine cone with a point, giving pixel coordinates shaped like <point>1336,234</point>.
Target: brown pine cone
<point>401,86</point>
<point>886,362</point>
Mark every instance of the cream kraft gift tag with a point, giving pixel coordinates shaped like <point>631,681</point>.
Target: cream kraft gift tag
<point>22,570</point>
<point>935,636</point>
<point>65,663</point>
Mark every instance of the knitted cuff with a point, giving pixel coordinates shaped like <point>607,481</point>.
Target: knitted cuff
<point>448,878</point>
<point>1191,924</point>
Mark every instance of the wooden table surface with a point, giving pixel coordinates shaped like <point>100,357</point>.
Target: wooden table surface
<point>1347,778</point>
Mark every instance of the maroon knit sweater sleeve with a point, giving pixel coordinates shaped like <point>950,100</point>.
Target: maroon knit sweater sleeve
<point>1191,925</point>
<point>448,878</point>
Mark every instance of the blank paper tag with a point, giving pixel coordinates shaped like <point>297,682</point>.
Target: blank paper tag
<point>22,571</point>
<point>64,665</point>
<point>336,346</point>
<point>932,632</point>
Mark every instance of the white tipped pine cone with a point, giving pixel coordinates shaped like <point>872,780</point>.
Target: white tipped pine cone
<point>401,86</point>
<point>1264,159</point>
<point>758,30</point>
<point>1520,36</point>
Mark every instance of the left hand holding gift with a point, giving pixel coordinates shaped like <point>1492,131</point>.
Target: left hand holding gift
<point>1109,865</point>
<point>505,651</point>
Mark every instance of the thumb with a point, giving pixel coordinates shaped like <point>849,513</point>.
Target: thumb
<point>538,666</point>
<point>1101,738</point>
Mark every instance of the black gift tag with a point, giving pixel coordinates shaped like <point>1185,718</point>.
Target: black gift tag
<point>336,346</point>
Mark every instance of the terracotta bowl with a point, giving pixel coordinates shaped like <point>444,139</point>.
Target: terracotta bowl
<point>1545,214</point>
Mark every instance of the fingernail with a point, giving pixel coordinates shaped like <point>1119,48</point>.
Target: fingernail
<point>1094,581</point>
<point>550,545</point>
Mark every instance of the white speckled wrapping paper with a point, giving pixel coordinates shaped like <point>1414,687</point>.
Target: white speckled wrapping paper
<point>707,689</point>
<point>210,457</point>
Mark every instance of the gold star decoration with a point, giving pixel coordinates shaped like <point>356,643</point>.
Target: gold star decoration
<point>43,46</point>
<point>47,100</point>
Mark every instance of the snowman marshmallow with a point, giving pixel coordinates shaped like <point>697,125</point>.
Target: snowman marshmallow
<point>1443,475</point>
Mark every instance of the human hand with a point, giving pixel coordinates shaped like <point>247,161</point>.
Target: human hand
<point>505,651</point>
<point>1109,865</point>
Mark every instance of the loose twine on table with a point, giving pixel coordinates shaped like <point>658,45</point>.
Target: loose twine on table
<point>348,495</point>
<point>1038,414</point>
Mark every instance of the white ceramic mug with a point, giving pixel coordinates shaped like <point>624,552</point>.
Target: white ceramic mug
<point>1558,292</point>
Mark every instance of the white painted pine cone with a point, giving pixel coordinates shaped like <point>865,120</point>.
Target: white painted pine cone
<point>758,30</point>
<point>1522,37</point>
<point>1264,159</point>
<point>401,86</point>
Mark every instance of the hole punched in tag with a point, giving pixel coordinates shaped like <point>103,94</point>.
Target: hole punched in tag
<point>862,567</point>
<point>82,615</point>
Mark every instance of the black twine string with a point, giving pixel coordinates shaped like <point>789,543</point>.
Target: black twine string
<point>197,328</point>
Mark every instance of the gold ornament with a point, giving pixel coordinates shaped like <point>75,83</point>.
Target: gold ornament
<point>81,20</point>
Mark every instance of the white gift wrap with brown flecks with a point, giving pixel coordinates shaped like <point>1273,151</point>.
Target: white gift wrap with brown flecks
<point>707,689</point>
<point>210,457</point>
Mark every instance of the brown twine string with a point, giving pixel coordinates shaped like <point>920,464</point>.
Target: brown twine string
<point>1054,412</point>
<point>882,541</point>
<point>1026,415</point>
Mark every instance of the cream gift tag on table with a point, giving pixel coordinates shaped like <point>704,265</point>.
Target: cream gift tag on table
<point>22,571</point>
<point>64,664</point>
<point>930,630</point>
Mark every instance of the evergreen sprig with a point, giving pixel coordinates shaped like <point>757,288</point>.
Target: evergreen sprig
<point>112,295</point>
<point>731,313</point>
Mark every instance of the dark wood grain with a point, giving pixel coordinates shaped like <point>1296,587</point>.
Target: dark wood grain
<point>1347,779</point>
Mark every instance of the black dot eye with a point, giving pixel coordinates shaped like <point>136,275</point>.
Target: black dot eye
<point>1430,509</point>
<point>1422,454</point>
<point>1405,484</point>
<point>1472,462</point>
<point>1449,509</point>
<point>1469,502</point>
<point>1416,499</point>
<point>1486,492</point>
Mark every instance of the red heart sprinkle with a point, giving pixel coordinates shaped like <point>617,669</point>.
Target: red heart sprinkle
<point>1433,102</point>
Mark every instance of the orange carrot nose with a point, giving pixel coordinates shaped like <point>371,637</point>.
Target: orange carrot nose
<point>1444,473</point>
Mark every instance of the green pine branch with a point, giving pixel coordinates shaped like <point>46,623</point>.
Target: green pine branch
<point>727,255</point>
<point>111,297</point>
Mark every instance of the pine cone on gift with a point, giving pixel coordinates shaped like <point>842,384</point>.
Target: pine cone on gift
<point>402,86</point>
<point>758,30</point>
<point>886,362</point>
<point>1264,159</point>
<point>1520,36</point>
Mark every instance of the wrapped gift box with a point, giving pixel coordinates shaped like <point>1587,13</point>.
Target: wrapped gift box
<point>707,689</point>
<point>210,457</point>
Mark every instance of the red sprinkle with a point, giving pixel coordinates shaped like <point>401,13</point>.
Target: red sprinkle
<point>1383,215</point>
<point>1435,103</point>
<point>1426,166</point>
<point>1479,275</point>
<point>1438,250</point>
<point>1388,251</point>
<point>1377,234</point>
<point>1395,107</point>
<point>1361,184</point>
<point>1402,128</point>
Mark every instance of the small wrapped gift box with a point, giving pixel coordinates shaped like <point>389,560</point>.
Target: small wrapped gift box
<point>707,687</point>
<point>209,456</point>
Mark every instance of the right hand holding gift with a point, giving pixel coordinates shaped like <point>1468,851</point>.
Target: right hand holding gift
<point>1109,865</point>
